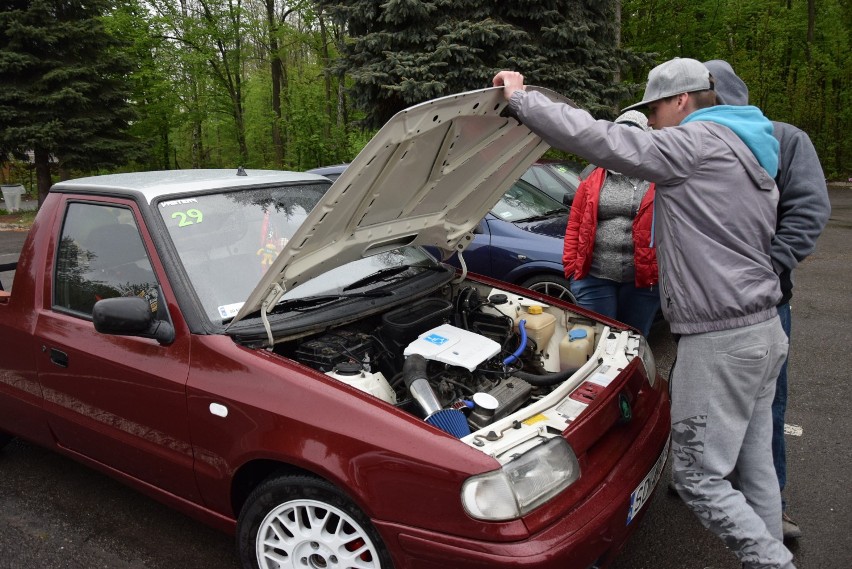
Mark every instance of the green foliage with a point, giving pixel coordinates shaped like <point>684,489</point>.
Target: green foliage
<point>64,88</point>
<point>155,98</point>
<point>794,78</point>
<point>203,84</point>
<point>403,52</point>
<point>16,171</point>
<point>192,81</point>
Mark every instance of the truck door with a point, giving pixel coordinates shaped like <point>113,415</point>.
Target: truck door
<point>118,401</point>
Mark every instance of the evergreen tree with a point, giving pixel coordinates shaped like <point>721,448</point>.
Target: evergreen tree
<point>63,93</point>
<point>406,51</point>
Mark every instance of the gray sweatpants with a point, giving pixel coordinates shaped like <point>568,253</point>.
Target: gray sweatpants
<point>722,389</point>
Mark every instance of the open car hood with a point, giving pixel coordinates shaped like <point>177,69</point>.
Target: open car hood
<point>426,178</point>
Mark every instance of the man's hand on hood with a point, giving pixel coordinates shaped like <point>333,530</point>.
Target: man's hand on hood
<point>511,81</point>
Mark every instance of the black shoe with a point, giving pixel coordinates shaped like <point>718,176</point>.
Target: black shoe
<point>790,528</point>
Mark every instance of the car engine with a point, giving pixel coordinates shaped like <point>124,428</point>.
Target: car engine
<point>459,363</point>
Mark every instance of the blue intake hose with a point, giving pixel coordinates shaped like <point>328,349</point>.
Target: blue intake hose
<point>522,328</point>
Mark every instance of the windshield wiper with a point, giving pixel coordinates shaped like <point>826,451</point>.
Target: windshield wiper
<point>546,215</point>
<point>378,276</point>
<point>322,299</point>
<point>386,274</point>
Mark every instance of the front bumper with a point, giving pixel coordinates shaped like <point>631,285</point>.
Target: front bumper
<point>563,544</point>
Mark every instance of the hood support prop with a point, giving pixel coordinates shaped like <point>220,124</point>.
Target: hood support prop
<point>275,294</point>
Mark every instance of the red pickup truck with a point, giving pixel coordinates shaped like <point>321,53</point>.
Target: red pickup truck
<point>281,358</point>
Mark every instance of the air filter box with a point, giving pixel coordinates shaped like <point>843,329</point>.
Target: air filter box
<point>404,325</point>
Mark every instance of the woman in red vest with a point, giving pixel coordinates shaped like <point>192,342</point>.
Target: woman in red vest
<point>609,255</point>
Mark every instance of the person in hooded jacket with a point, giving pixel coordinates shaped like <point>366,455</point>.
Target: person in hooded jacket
<point>608,255</point>
<point>803,211</point>
<point>715,214</point>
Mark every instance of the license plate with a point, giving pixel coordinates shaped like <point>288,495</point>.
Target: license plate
<point>640,496</point>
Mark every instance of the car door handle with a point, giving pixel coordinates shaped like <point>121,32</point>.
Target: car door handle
<point>59,357</point>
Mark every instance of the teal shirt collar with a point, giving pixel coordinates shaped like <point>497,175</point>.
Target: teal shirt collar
<point>750,125</point>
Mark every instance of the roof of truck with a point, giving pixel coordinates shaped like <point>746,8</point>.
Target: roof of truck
<point>156,184</point>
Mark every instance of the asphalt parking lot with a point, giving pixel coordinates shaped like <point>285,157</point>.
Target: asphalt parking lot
<point>55,513</point>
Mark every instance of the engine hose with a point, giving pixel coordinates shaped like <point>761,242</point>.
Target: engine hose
<point>417,383</point>
<point>547,379</point>
<point>451,421</point>
<point>522,328</point>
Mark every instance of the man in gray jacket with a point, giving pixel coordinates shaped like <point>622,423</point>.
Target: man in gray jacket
<point>715,218</point>
<point>803,210</point>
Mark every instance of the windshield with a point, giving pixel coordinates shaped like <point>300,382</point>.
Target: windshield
<point>559,180</point>
<point>227,241</point>
<point>523,201</point>
<point>569,173</point>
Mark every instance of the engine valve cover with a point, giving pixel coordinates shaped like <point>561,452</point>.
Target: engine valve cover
<point>511,394</point>
<point>454,346</point>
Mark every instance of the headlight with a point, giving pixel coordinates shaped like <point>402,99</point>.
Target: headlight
<point>522,484</point>
<point>648,360</point>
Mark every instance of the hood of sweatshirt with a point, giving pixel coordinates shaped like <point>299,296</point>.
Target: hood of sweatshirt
<point>750,125</point>
<point>730,89</point>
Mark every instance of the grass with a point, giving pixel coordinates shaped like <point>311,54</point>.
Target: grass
<point>18,219</point>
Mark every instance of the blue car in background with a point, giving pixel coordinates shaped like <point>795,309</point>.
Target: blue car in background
<point>557,178</point>
<point>330,172</point>
<point>520,239</point>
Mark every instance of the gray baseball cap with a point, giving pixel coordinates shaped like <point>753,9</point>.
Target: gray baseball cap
<point>678,75</point>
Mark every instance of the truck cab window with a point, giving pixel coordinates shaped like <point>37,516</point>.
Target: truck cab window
<point>101,255</point>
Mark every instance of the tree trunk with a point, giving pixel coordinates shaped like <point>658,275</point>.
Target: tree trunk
<point>275,66</point>
<point>239,120</point>
<point>342,114</point>
<point>197,153</point>
<point>238,84</point>
<point>811,26</point>
<point>227,64</point>
<point>342,107</point>
<point>617,8</point>
<point>41,157</point>
<point>164,140</point>
<point>329,96</point>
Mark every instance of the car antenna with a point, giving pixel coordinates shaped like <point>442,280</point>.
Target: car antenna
<point>241,171</point>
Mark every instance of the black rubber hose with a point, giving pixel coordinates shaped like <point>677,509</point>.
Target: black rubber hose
<point>414,368</point>
<point>547,379</point>
<point>417,383</point>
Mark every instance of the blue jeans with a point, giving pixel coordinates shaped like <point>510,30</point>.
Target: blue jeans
<point>620,301</point>
<point>779,407</point>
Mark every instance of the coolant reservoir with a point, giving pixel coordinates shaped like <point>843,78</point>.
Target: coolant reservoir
<point>539,326</point>
<point>373,383</point>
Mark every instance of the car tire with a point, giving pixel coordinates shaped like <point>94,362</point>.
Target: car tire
<point>331,530</point>
<point>551,285</point>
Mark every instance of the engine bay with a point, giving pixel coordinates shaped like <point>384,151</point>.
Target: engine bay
<point>461,360</point>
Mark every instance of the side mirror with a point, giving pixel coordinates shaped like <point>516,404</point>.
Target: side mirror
<point>131,316</point>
